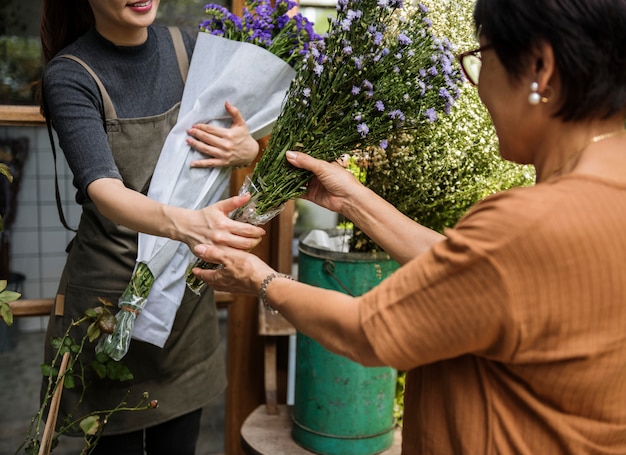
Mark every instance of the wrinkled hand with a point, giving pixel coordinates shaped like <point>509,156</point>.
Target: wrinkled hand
<point>232,146</point>
<point>332,187</point>
<point>211,225</point>
<point>242,272</point>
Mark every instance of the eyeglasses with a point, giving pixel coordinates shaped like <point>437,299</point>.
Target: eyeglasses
<point>471,63</point>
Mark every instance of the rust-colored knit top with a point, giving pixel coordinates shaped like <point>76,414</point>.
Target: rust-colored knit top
<point>514,327</point>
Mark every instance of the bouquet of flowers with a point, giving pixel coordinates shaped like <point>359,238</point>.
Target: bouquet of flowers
<point>249,64</point>
<point>381,71</point>
<point>284,35</point>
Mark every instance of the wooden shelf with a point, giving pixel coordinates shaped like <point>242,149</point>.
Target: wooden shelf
<point>21,116</point>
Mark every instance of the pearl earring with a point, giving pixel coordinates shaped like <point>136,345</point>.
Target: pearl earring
<point>534,98</point>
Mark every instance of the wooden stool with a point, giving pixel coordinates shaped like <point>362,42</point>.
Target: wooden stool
<point>270,434</point>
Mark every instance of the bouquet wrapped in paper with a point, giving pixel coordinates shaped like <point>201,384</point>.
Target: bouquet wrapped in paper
<point>248,63</point>
<point>379,71</point>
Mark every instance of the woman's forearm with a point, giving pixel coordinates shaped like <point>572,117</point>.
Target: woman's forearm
<point>134,210</point>
<point>401,237</point>
<point>192,227</point>
<point>330,317</point>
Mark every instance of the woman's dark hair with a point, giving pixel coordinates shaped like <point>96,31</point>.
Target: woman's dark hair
<point>589,42</point>
<point>62,22</point>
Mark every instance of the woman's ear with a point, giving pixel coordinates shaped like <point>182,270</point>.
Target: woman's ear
<point>543,66</point>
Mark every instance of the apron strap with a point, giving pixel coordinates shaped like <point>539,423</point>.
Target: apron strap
<point>181,52</point>
<point>109,110</point>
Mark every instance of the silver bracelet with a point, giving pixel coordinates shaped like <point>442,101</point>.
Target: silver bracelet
<point>263,290</point>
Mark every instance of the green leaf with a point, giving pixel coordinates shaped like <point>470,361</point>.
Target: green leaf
<point>93,331</point>
<point>33,447</point>
<point>124,374</point>
<point>4,169</point>
<point>102,358</point>
<point>91,312</point>
<point>3,285</point>
<point>6,314</point>
<point>56,342</point>
<point>9,296</point>
<point>113,369</point>
<point>90,425</point>
<point>69,382</point>
<point>118,371</point>
<point>99,368</point>
<point>46,369</point>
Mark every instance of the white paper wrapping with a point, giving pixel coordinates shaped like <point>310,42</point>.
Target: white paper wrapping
<point>256,82</point>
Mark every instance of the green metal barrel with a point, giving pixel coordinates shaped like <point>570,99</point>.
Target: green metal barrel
<point>341,407</point>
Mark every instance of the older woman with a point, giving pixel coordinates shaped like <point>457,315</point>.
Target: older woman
<point>512,327</point>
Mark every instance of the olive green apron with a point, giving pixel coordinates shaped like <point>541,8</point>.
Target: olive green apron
<point>189,371</point>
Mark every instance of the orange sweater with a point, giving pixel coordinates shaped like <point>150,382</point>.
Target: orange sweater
<point>513,329</point>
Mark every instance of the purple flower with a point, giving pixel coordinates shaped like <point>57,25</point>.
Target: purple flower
<point>355,90</point>
<point>384,144</point>
<point>380,106</point>
<point>404,40</point>
<point>397,114</point>
<point>431,115</point>
<point>363,129</point>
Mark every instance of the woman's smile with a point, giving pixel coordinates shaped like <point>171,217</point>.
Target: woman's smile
<point>141,7</point>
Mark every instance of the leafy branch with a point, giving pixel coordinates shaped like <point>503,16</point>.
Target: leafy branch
<point>101,321</point>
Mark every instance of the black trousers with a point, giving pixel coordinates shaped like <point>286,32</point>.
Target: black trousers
<point>174,437</point>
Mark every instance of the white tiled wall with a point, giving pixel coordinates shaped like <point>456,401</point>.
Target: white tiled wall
<point>37,238</point>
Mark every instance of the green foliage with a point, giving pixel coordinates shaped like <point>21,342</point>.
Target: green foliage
<point>5,298</point>
<point>117,341</point>
<point>100,321</point>
<point>381,71</point>
<point>436,174</point>
<point>20,67</point>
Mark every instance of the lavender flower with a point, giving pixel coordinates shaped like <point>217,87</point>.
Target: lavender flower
<point>376,57</point>
<point>288,37</point>
<point>431,115</point>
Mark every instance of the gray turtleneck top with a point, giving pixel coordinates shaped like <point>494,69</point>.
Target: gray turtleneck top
<point>142,81</point>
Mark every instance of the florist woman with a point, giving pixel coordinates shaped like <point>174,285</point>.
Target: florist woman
<point>112,87</point>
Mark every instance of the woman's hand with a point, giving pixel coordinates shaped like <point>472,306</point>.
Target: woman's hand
<point>333,187</point>
<point>242,272</point>
<point>224,146</point>
<point>212,225</point>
